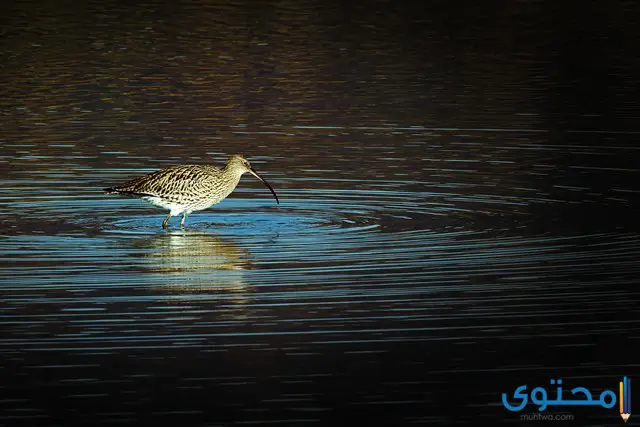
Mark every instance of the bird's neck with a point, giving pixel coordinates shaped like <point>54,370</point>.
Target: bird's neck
<point>232,172</point>
<point>232,178</point>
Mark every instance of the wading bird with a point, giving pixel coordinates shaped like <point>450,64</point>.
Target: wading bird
<point>188,188</point>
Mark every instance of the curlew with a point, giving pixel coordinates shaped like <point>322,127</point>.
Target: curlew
<point>188,188</point>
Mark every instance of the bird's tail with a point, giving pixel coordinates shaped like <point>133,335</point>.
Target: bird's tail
<point>123,192</point>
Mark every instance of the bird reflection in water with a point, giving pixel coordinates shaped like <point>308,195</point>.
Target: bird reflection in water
<point>197,266</point>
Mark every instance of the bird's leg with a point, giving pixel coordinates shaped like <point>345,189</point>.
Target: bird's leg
<point>184,216</point>
<point>165,223</point>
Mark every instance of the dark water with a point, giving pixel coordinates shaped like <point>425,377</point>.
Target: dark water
<point>459,211</point>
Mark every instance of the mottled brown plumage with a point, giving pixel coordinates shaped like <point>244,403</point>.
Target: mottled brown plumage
<point>188,188</point>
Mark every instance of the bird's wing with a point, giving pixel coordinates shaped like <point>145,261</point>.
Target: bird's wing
<point>174,180</point>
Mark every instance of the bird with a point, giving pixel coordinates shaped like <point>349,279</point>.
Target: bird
<point>188,188</point>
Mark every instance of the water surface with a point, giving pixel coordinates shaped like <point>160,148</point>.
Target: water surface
<point>453,222</point>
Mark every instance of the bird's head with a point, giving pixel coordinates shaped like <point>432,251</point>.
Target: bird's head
<point>240,165</point>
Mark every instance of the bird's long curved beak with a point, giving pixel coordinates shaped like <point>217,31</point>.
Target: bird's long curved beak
<point>254,173</point>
